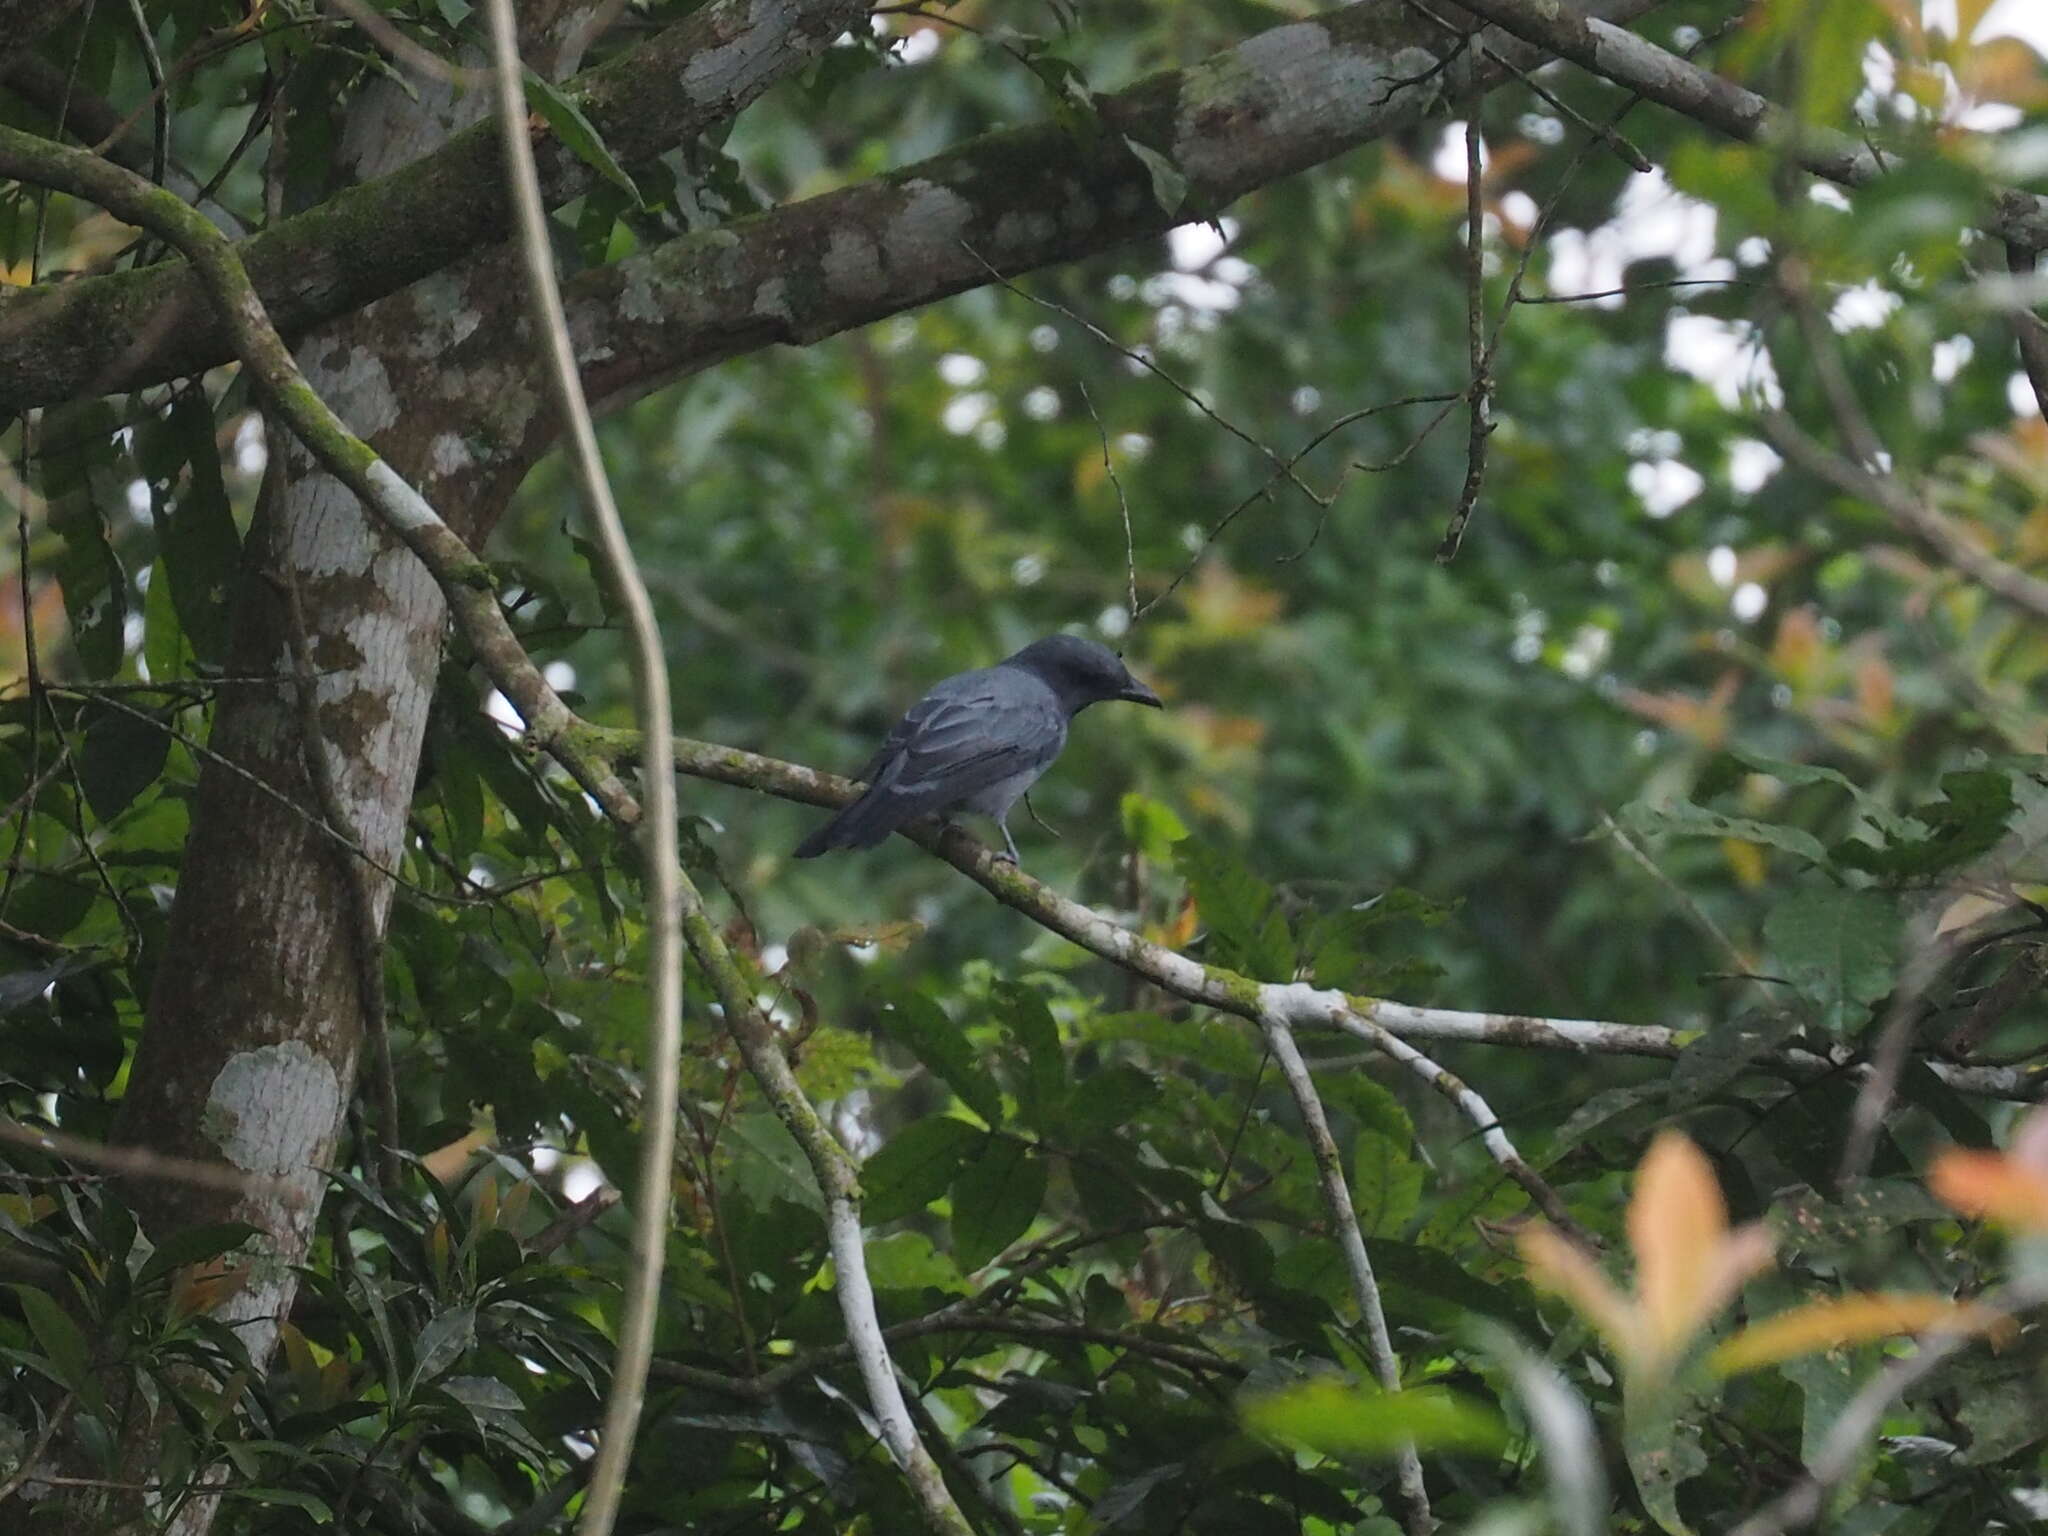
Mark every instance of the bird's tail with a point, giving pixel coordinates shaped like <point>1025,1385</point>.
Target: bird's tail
<point>862,824</point>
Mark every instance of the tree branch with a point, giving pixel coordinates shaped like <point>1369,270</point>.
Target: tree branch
<point>1301,1005</point>
<point>129,329</point>
<point>1656,74</point>
<point>1365,1290</point>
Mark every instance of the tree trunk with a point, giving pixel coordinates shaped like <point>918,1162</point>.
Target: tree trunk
<point>254,1029</point>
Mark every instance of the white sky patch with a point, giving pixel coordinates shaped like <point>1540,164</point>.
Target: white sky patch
<point>1042,402</point>
<point>992,434</point>
<point>581,1179</point>
<point>1044,338</point>
<point>1749,602</point>
<point>1028,570</point>
<point>1588,649</point>
<point>1664,485</point>
<point>1827,195</point>
<point>1862,308</point>
<point>1950,357</point>
<point>1750,464</point>
<point>1114,622</point>
<point>138,500</point>
<point>962,371</point>
<point>560,675</point>
<point>964,413</point>
<point>2021,393</point>
<point>1449,160</point>
<point>1722,566</point>
<point>1193,246</point>
<point>1651,219</point>
<point>252,451</point>
<point>1133,445</point>
<point>918,47</point>
<point>499,709</point>
<point>1520,210</point>
<point>1724,355</point>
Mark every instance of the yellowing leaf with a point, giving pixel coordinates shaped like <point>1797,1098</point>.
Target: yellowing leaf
<point>1992,1187</point>
<point>444,1163</point>
<point>1847,1320</point>
<point>1560,1265</point>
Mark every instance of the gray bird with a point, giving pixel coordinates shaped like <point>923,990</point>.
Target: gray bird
<point>978,740</point>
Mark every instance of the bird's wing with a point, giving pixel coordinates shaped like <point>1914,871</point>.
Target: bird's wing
<point>959,740</point>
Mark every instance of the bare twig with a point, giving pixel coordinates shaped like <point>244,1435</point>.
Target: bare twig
<point>1365,1291</point>
<point>1478,386</point>
<point>143,1163</point>
<point>1123,506</point>
<point>657,827</point>
<point>1912,516</point>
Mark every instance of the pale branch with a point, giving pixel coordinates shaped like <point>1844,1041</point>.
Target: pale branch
<point>1858,1420</point>
<point>1656,74</point>
<point>129,329</point>
<point>657,829</point>
<point>1300,1004</point>
<point>1492,1135</point>
<point>465,583</point>
<point>1910,514</point>
<point>1365,1290</point>
<point>143,1163</point>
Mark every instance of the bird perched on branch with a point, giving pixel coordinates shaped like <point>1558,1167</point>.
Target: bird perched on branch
<point>978,740</point>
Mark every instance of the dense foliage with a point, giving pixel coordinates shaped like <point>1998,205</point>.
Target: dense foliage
<point>1683,736</point>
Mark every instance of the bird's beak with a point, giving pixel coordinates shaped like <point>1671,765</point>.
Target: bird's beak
<point>1138,693</point>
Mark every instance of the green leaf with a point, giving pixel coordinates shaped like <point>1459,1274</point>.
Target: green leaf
<point>1030,1024</point>
<point>767,1165</point>
<point>1152,826</point>
<point>1663,1450</point>
<point>995,1199</point>
<point>907,1261</point>
<point>1169,181</point>
<point>59,1335</point>
<point>920,1025</point>
<point>313,1508</point>
<point>194,1245</point>
<point>1336,1418</point>
<point>578,133</point>
<point>195,524</point>
<point>1386,1184</point>
<point>1105,1100</point>
<point>915,1166</point>
<point>78,481</point>
<point>1246,929</point>
<point>1838,947</point>
<point>1681,818</point>
<point>1969,821</point>
<point>120,758</point>
<point>447,1337</point>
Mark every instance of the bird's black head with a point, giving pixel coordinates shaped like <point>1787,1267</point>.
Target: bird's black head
<point>1081,672</point>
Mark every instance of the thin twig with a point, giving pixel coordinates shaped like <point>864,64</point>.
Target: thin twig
<point>1478,385</point>
<point>1123,506</point>
<point>1365,1291</point>
<point>657,828</point>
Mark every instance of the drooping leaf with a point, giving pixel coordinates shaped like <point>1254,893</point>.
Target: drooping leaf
<point>1838,947</point>
<point>996,1197</point>
<point>920,1025</point>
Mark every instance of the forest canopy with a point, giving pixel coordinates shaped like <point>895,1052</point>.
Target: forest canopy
<point>1542,1030</point>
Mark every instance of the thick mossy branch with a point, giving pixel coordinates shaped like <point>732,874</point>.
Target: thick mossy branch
<point>105,334</point>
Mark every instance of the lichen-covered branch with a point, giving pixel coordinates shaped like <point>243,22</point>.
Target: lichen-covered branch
<point>1301,1005</point>
<point>1275,104</point>
<point>122,331</point>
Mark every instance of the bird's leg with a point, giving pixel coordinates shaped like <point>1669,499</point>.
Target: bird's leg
<point>1038,818</point>
<point>1009,842</point>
